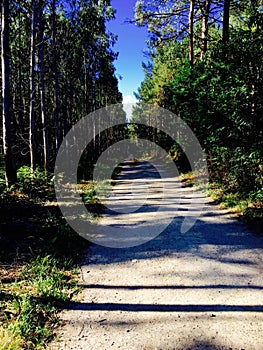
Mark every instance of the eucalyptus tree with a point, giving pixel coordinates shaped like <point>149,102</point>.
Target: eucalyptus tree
<point>62,69</point>
<point>191,32</point>
<point>205,9</point>
<point>41,58</point>
<point>226,19</point>
<point>32,83</point>
<point>6,115</point>
<point>55,71</point>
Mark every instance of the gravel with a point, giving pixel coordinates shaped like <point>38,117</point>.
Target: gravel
<point>199,290</point>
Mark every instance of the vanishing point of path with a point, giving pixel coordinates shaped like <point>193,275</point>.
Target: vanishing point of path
<point>198,290</point>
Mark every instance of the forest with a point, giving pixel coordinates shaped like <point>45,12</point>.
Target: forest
<point>57,66</point>
<point>204,63</point>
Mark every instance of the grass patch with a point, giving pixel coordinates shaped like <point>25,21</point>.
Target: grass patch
<point>187,179</point>
<point>9,340</point>
<point>242,206</point>
<point>38,256</point>
<point>91,199</point>
<point>29,305</point>
<point>235,201</point>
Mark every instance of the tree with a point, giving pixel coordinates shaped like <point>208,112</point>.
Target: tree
<point>55,75</point>
<point>226,17</point>
<point>32,84</point>
<point>6,115</point>
<point>191,32</point>
<point>205,17</point>
<point>220,98</point>
<point>42,86</point>
<point>62,68</point>
<point>174,20</point>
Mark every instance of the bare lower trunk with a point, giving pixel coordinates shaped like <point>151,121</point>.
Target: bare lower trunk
<point>191,32</point>
<point>205,18</point>
<point>56,79</point>
<point>32,87</point>
<point>42,90</point>
<point>5,60</point>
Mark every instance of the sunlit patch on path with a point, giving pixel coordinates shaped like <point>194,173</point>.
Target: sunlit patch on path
<point>202,289</point>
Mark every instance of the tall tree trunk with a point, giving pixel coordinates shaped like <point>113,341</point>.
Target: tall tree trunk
<point>55,76</point>
<point>5,52</point>
<point>42,88</point>
<point>226,16</point>
<point>21,116</point>
<point>191,32</point>
<point>32,84</point>
<point>205,19</point>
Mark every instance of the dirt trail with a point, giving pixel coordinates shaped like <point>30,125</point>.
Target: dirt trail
<point>198,290</point>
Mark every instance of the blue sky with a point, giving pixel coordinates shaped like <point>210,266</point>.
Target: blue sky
<point>130,45</point>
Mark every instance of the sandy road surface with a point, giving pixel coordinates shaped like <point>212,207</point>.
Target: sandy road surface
<point>199,290</point>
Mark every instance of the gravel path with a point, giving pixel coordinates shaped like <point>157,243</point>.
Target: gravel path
<point>199,290</point>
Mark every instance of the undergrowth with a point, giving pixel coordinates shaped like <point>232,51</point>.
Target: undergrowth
<point>29,304</point>
<point>242,205</point>
<point>38,253</point>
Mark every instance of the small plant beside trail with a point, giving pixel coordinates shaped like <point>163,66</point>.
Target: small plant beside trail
<point>245,206</point>
<point>29,304</point>
<point>38,253</point>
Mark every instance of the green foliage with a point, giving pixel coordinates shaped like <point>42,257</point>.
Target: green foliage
<point>31,322</point>
<point>28,180</point>
<point>220,98</point>
<point>88,192</point>
<point>9,341</point>
<point>48,277</point>
<point>33,300</point>
<point>37,183</point>
<point>237,170</point>
<point>2,180</point>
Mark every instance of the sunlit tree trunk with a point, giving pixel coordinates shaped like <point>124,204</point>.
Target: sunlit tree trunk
<point>32,83</point>
<point>5,60</point>
<point>55,76</point>
<point>205,18</point>
<point>191,32</point>
<point>42,88</point>
<point>21,115</point>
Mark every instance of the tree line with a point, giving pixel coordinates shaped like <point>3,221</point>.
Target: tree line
<point>57,66</point>
<point>205,64</point>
